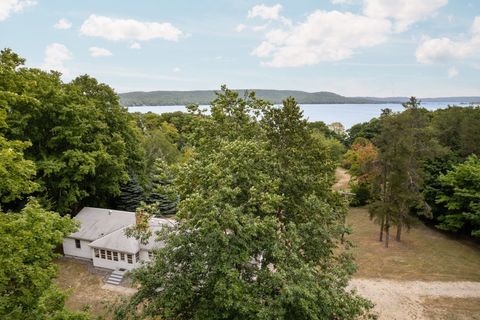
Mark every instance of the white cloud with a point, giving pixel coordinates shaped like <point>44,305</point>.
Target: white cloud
<point>265,12</point>
<point>128,29</point>
<point>135,45</point>
<point>403,12</point>
<point>55,55</point>
<point>452,72</point>
<point>442,50</point>
<point>263,50</point>
<point>63,24</point>
<point>176,69</point>
<point>324,36</point>
<point>99,52</point>
<point>261,27</point>
<point>8,7</point>
<point>476,25</point>
<point>240,27</point>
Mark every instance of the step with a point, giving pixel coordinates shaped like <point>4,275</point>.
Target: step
<point>116,283</point>
<point>116,276</point>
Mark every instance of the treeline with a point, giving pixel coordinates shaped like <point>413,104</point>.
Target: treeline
<point>418,163</point>
<point>204,97</point>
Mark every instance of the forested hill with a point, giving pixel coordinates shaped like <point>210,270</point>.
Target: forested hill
<point>164,98</point>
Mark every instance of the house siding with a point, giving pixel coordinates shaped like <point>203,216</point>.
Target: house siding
<point>69,248</point>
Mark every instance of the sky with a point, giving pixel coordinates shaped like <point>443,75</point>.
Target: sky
<point>427,48</point>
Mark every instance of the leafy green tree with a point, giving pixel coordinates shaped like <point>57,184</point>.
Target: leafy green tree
<point>368,130</point>
<point>16,173</point>
<point>82,141</point>
<point>29,239</point>
<point>461,197</point>
<point>258,226</point>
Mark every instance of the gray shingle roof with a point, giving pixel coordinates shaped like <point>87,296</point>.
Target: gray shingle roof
<point>106,229</point>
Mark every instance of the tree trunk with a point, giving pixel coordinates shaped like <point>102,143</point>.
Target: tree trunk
<point>399,232</point>
<point>381,229</point>
<point>387,229</point>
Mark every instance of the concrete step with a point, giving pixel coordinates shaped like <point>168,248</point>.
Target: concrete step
<point>116,276</point>
<point>113,282</point>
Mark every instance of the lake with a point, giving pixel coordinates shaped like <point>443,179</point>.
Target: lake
<point>347,114</point>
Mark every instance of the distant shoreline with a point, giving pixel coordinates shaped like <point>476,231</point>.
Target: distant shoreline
<point>205,97</point>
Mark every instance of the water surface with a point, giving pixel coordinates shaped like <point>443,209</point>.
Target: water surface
<point>347,114</point>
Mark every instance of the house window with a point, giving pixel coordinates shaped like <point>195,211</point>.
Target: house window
<point>97,253</point>
<point>122,256</point>
<point>78,245</point>
<point>109,255</point>
<point>150,255</point>
<point>137,256</point>
<point>129,258</point>
<point>115,256</point>
<point>102,252</point>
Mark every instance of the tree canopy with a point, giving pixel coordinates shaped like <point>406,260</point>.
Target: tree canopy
<point>258,226</point>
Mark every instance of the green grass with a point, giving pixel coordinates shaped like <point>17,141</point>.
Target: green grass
<point>423,253</point>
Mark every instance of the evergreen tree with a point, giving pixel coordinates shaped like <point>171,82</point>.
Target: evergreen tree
<point>131,195</point>
<point>162,195</point>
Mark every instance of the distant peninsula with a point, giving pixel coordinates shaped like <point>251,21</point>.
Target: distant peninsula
<point>166,98</point>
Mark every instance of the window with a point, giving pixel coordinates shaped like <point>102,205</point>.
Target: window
<point>115,256</point>
<point>129,258</point>
<point>97,253</point>
<point>137,256</point>
<point>102,252</point>
<point>122,256</point>
<point>78,244</point>
<point>109,255</point>
<point>150,255</point>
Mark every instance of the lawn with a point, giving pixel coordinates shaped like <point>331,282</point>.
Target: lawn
<point>423,254</point>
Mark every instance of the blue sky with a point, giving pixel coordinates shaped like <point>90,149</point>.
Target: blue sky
<point>351,47</point>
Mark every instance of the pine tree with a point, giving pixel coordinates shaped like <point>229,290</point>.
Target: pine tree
<point>132,194</point>
<point>162,194</point>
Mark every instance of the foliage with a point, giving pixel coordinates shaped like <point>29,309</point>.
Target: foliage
<point>82,141</point>
<point>16,173</point>
<point>257,224</point>
<point>368,130</point>
<point>461,197</point>
<point>403,144</point>
<point>163,195</point>
<point>131,195</point>
<point>29,239</point>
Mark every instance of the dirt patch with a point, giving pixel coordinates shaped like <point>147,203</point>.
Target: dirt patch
<point>452,308</point>
<point>405,300</point>
<point>85,286</point>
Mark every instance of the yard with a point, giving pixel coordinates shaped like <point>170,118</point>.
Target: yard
<point>427,275</point>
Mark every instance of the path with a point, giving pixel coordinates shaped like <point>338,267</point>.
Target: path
<point>405,299</point>
<point>343,178</point>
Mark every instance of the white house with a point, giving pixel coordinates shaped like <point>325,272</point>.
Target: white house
<point>101,238</point>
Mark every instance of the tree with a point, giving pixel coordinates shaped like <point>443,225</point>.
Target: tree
<point>257,225</point>
<point>461,197</point>
<point>404,143</point>
<point>29,239</point>
<point>82,141</point>
<point>131,195</point>
<point>162,194</point>
<point>362,163</point>
<point>16,173</point>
